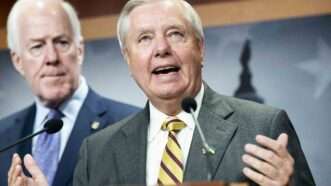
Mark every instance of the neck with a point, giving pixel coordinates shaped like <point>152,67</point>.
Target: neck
<point>171,106</point>
<point>52,104</point>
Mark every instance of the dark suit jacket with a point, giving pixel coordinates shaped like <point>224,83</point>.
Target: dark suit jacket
<point>94,108</point>
<point>117,154</point>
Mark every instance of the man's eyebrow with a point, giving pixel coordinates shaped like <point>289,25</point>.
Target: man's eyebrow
<point>61,37</point>
<point>175,26</point>
<point>143,30</point>
<point>38,39</point>
<point>35,40</point>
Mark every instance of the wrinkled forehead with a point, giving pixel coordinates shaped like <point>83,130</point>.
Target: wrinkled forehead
<point>156,13</point>
<point>40,18</point>
<point>41,8</point>
<point>159,5</point>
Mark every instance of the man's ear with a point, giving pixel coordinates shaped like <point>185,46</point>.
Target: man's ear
<point>81,50</point>
<point>125,54</point>
<point>201,45</point>
<point>126,57</point>
<point>17,62</point>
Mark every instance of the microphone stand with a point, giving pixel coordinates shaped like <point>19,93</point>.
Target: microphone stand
<point>51,126</point>
<point>207,150</point>
<point>22,140</point>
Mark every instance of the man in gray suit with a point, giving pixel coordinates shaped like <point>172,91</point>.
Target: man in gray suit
<point>163,44</point>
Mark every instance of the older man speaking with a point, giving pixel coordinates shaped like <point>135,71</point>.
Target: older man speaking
<point>163,44</point>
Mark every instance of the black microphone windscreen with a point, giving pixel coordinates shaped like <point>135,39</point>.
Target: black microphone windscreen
<point>53,125</point>
<point>189,103</point>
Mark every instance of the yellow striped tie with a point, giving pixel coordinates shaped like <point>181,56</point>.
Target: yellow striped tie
<point>171,170</point>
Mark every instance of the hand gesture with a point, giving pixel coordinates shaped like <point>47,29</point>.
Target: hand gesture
<point>16,176</point>
<point>269,163</point>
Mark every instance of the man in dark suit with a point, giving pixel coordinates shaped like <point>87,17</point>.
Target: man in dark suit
<point>163,44</point>
<point>47,50</point>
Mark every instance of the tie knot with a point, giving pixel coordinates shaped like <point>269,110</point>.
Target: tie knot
<point>173,124</point>
<point>54,114</point>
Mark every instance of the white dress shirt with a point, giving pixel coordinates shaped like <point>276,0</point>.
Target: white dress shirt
<point>69,108</point>
<point>157,138</point>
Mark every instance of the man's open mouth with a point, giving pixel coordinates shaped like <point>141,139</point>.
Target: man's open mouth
<point>165,70</point>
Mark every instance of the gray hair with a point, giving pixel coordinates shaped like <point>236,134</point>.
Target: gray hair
<point>123,21</point>
<point>12,24</point>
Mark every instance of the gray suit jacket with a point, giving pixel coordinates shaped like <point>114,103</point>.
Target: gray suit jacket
<point>117,154</point>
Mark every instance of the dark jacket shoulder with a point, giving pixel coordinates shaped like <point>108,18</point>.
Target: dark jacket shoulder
<point>9,121</point>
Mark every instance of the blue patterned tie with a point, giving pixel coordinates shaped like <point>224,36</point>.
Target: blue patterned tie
<point>47,149</point>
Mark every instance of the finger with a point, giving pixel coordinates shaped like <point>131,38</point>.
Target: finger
<point>264,154</point>
<point>261,166</point>
<point>257,177</point>
<point>283,139</point>
<point>19,179</point>
<point>31,182</point>
<point>34,170</point>
<point>273,145</point>
<point>13,164</point>
<point>16,174</point>
<point>19,182</point>
<point>16,161</point>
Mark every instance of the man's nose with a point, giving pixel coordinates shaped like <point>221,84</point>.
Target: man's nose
<point>163,47</point>
<point>52,55</point>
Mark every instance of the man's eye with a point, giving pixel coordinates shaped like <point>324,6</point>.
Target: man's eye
<point>144,38</point>
<point>62,45</point>
<point>176,36</point>
<point>38,46</point>
<point>176,33</point>
<point>36,49</point>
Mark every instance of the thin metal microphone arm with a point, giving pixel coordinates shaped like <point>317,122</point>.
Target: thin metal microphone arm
<point>207,149</point>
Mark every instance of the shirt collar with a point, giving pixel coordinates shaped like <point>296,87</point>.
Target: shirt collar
<point>70,108</point>
<point>157,117</point>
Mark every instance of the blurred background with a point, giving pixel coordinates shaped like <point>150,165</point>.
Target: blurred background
<point>274,52</point>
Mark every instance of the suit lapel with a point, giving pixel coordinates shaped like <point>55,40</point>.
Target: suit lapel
<point>91,111</point>
<point>22,125</point>
<point>131,150</point>
<point>25,123</point>
<point>218,132</point>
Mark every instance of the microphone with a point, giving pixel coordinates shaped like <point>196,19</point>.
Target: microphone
<point>189,105</point>
<point>51,126</point>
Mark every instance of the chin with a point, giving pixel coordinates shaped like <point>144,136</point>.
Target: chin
<point>169,94</point>
<point>56,95</point>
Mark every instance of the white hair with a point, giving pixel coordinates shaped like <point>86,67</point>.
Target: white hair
<point>189,13</point>
<point>12,24</point>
